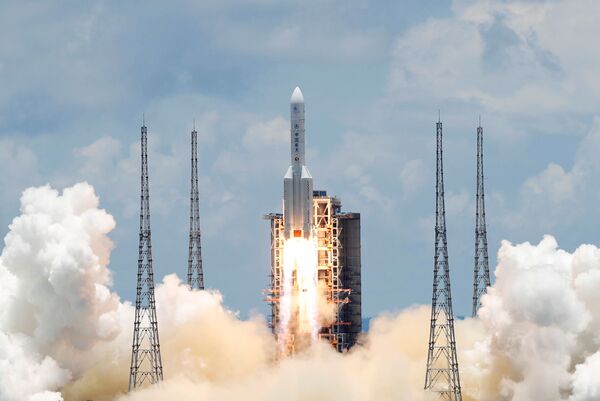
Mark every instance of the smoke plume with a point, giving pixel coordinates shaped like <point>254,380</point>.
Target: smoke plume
<point>64,334</point>
<point>55,292</point>
<point>541,321</point>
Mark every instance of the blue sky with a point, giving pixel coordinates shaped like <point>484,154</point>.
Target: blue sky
<point>75,78</point>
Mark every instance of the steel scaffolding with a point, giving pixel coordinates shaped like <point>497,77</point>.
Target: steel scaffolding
<point>442,374</point>
<point>327,228</point>
<point>481,273</point>
<point>146,364</point>
<point>334,268</point>
<point>195,271</point>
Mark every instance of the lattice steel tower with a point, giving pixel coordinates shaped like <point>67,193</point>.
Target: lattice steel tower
<point>146,364</point>
<point>442,365</point>
<point>481,274</point>
<point>195,272</point>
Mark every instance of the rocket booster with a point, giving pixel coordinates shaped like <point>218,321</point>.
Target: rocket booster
<point>297,183</point>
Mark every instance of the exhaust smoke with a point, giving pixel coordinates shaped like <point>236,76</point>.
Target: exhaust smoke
<point>64,334</point>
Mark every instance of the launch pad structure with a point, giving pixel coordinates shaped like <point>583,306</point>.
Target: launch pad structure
<point>335,238</point>
<point>338,264</point>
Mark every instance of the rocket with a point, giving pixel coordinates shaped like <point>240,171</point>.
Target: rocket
<point>297,183</point>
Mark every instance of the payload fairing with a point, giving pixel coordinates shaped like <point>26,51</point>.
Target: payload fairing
<point>297,183</point>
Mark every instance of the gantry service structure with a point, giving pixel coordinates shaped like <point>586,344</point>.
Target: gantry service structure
<point>338,269</point>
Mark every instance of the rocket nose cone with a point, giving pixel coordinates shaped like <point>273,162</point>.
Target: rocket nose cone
<point>297,96</point>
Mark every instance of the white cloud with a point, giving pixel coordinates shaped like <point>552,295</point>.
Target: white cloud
<point>557,196</point>
<point>20,169</point>
<point>310,34</point>
<point>262,149</point>
<point>412,176</point>
<point>366,165</point>
<point>97,156</point>
<point>275,130</point>
<point>18,159</point>
<point>508,56</point>
<point>553,184</point>
<point>458,203</point>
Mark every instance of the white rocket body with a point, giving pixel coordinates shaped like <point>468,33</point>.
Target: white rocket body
<point>297,183</point>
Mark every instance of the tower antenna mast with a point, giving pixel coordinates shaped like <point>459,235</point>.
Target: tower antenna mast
<point>481,273</point>
<point>146,363</point>
<point>195,271</point>
<point>442,374</point>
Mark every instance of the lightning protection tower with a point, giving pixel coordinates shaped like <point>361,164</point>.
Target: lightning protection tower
<point>481,274</point>
<point>195,272</point>
<point>146,364</point>
<point>442,366</point>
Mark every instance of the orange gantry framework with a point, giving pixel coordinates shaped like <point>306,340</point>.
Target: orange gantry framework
<point>327,229</point>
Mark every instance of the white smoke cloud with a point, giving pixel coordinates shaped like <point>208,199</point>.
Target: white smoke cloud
<point>65,335</point>
<point>540,320</point>
<point>55,291</point>
<point>62,329</point>
<point>27,375</point>
<point>387,367</point>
